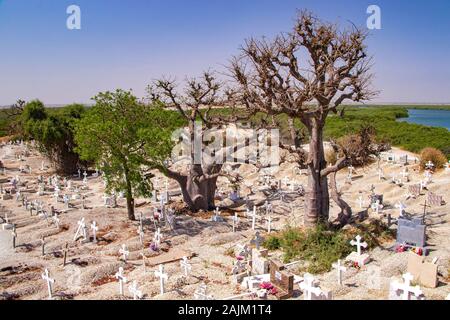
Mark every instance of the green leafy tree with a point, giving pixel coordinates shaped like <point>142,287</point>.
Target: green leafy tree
<point>53,132</point>
<point>126,138</point>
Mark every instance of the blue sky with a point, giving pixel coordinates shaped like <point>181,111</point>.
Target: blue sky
<point>126,44</point>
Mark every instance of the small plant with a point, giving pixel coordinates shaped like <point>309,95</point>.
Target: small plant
<point>229,252</point>
<point>272,243</point>
<point>434,155</point>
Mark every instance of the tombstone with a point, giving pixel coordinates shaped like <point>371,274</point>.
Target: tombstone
<point>282,280</point>
<point>424,273</point>
<point>260,263</point>
<point>124,252</point>
<point>339,268</point>
<point>435,200</point>
<point>404,160</point>
<point>186,266</point>
<point>358,257</point>
<point>162,277</point>
<point>411,232</point>
<point>414,190</point>
<point>403,291</point>
<point>119,276</point>
<point>50,281</point>
<point>239,271</point>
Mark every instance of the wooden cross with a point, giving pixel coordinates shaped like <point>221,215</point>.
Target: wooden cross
<point>43,245</point>
<point>162,277</point>
<point>119,276</point>
<point>81,225</point>
<point>14,236</point>
<point>50,281</point>
<point>65,251</point>
<point>140,232</point>
<point>425,206</point>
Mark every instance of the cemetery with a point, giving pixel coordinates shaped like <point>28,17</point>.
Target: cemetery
<point>252,200</point>
<point>70,250</point>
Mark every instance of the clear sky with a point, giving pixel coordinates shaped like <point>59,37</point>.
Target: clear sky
<point>127,43</point>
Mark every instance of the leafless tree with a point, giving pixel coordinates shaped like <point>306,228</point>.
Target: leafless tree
<point>306,74</point>
<point>196,103</point>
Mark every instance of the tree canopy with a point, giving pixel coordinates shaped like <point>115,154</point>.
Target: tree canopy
<point>126,138</point>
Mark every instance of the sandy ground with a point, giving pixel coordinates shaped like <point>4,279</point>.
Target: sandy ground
<point>90,269</point>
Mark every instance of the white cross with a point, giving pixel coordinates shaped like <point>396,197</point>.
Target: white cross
<point>235,220</point>
<point>158,236</point>
<point>162,277</point>
<point>216,217</point>
<point>361,201</point>
<point>201,293</point>
<point>254,216</point>
<point>380,174</point>
<point>134,290</point>
<point>119,276</point>
<point>94,230</point>
<point>406,287</point>
<point>81,226</point>
<point>140,232</point>
<point>50,281</point>
<point>339,270</point>
<point>308,288</point>
<point>269,224</point>
<point>56,220</point>
<point>429,165</point>
<point>358,244</point>
<point>186,266</point>
<point>401,207</point>
<point>124,252</point>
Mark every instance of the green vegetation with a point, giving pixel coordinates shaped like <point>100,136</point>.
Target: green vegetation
<point>53,132</point>
<point>320,247</point>
<point>126,139</point>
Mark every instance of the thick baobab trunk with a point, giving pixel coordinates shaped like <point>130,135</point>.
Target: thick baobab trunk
<point>346,210</point>
<point>66,162</point>
<point>317,201</point>
<point>198,190</point>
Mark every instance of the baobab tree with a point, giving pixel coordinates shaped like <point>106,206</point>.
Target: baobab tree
<point>195,104</point>
<point>307,74</point>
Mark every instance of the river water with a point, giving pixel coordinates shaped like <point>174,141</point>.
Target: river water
<point>432,118</point>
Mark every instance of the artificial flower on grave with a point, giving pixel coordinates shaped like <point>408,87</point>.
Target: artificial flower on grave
<point>400,249</point>
<point>273,291</point>
<point>418,251</point>
<point>240,258</point>
<point>154,247</point>
<point>266,285</point>
<point>356,265</point>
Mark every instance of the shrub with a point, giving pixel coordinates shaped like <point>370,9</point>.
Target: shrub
<point>433,155</point>
<point>272,243</point>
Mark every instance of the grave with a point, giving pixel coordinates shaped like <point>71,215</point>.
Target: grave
<point>435,200</point>
<point>358,257</point>
<point>282,280</point>
<point>311,289</point>
<point>411,232</point>
<point>260,263</point>
<point>404,291</point>
<point>424,273</point>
